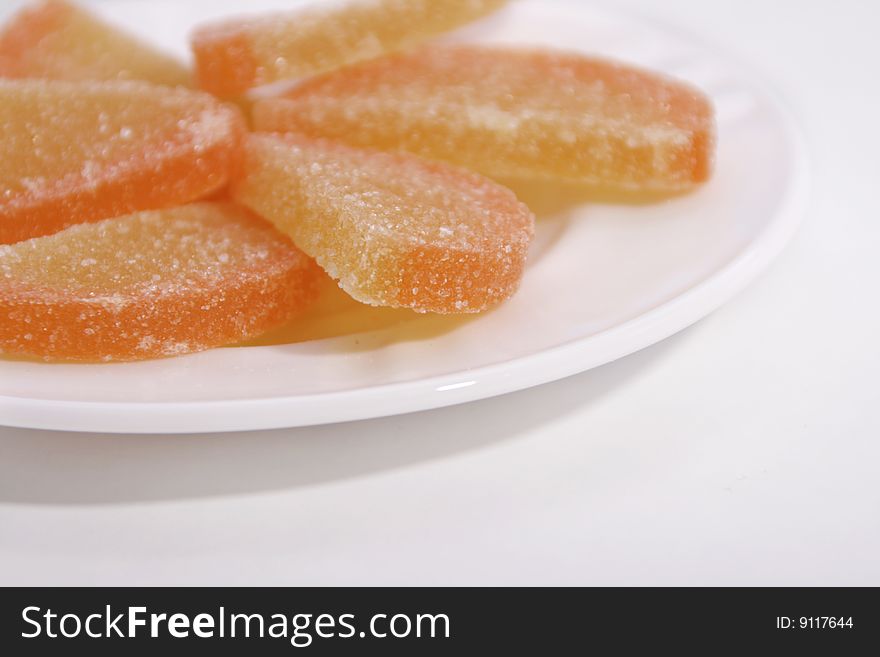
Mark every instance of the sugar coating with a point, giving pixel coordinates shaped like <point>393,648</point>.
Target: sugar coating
<point>151,284</point>
<point>81,152</point>
<point>57,40</point>
<point>393,229</point>
<point>235,55</point>
<point>513,113</point>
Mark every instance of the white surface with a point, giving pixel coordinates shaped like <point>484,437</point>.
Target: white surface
<point>603,280</point>
<point>742,451</point>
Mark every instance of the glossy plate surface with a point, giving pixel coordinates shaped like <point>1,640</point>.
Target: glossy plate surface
<point>604,279</point>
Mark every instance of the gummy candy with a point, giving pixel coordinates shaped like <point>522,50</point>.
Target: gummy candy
<point>80,152</point>
<point>393,229</point>
<point>150,284</point>
<point>515,114</point>
<point>238,54</point>
<point>57,40</point>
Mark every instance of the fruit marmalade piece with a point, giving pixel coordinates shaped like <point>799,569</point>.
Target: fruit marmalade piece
<point>235,55</point>
<point>80,152</point>
<point>60,41</point>
<point>393,229</point>
<point>151,284</point>
<point>513,114</point>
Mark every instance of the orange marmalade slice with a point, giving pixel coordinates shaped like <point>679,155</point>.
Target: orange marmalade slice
<point>80,152</point>
<point>513,114</point>
<point>393,229</point>
<point>151,284</point>
<point>58,40</point>
<point>235,55</point>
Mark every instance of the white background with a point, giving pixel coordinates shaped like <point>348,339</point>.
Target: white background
<point>745,450</point>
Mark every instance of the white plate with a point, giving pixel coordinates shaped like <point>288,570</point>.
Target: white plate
<point>604,281</point>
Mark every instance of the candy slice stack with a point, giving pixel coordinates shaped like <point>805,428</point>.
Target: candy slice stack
<point>113,250</point>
